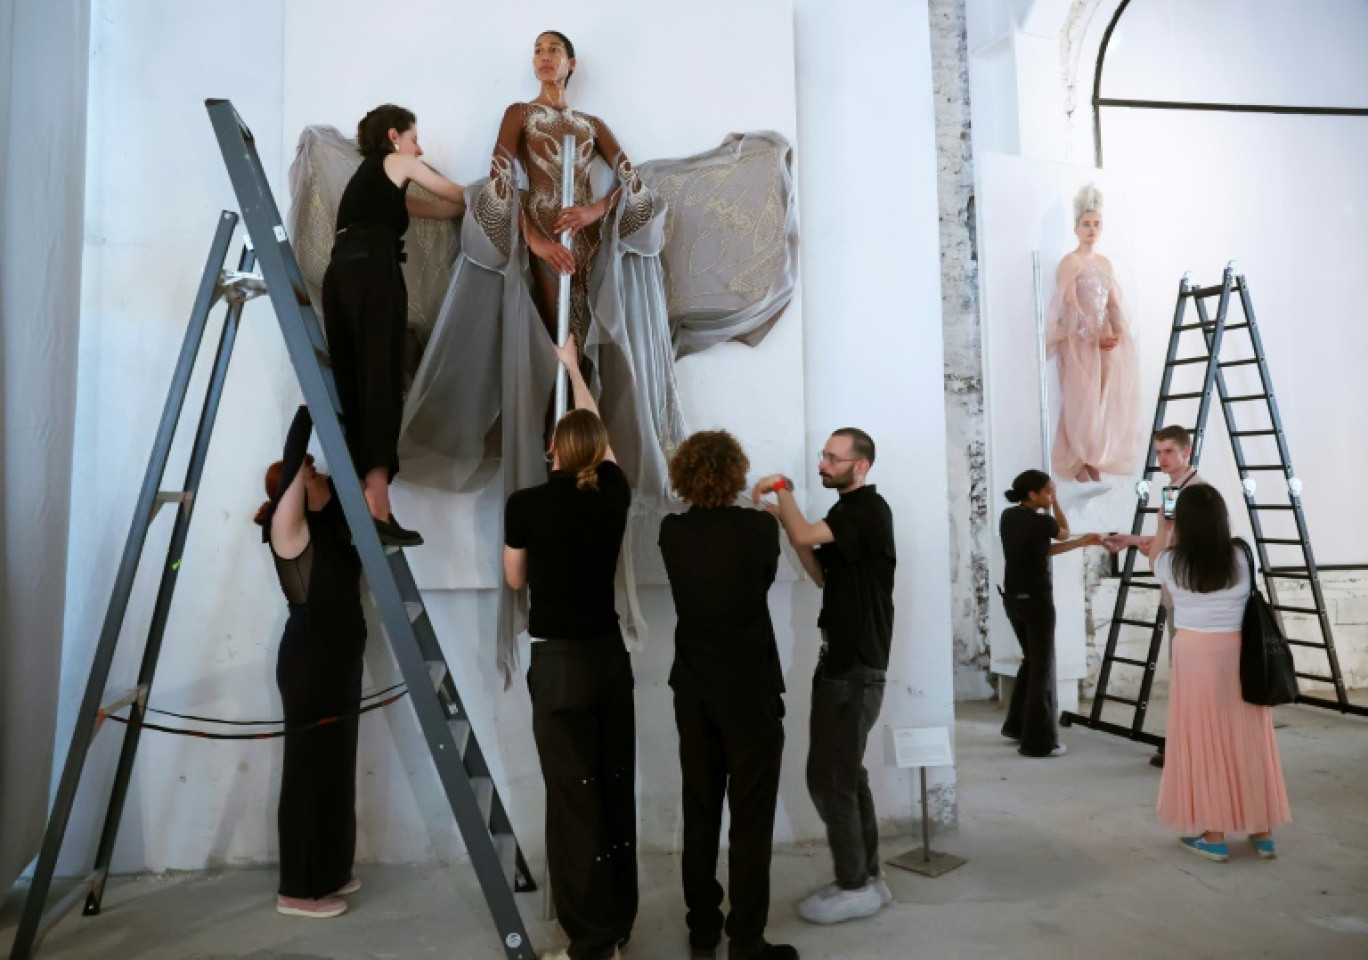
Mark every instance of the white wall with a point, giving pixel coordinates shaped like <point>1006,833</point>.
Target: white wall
<point>156,185</point>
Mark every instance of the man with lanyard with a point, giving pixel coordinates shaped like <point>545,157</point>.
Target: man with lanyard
<point>1173,453</point>
<point>850,555</point>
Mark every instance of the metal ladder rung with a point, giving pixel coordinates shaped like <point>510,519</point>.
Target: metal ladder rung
<point>484,795</point>
<point>1315,676</point>
<point>1273,572</point>
<point>1286,541</point>
<point>1264,466</point>
<point>1306,643</point>
<point>1186,360</point>
<point>1116,699</point>
<point>1141,585</point>
<point>1201,293</point>
<point>1193,395</point>
<point>1149,509</point>
<point>1307,610</point>
<point>1195,326</point>
<point>1239,363</point>
<point>1133,663</point>
<point>1270,506</point>
<point>1247,397</point>
<point>1253,433</point>
<point>1148,624</point>
<point>1237,326</point>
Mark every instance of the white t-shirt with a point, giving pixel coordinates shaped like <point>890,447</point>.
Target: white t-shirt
<point>1219,612</point>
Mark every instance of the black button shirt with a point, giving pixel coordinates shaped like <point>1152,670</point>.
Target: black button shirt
<point>857,599</point>
<point>572,538</point>
<point>721,563</point>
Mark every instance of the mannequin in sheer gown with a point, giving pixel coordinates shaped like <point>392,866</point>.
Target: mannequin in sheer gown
<point>1099,430</point>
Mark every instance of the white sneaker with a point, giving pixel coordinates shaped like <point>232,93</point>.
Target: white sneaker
<point>832,904</point>
<point>885,894</point>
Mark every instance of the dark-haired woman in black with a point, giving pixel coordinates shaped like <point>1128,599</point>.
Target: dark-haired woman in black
<point>1029,538</point>
<point>365,301</point>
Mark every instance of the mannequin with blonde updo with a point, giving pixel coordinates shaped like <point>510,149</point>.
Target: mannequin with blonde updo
<point>1100,428</point>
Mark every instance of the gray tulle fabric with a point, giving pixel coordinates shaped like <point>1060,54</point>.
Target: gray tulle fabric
<point>698,251</point>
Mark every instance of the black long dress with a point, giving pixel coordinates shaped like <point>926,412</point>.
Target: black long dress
<point>319,674</point>
<point>365,313</point>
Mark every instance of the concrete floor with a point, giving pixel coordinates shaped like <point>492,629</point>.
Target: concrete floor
<point>1065,859</point>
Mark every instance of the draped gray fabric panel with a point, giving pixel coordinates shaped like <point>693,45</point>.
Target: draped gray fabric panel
<point>44,53</point>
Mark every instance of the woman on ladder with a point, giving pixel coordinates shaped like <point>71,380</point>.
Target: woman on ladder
<point>365,301</point>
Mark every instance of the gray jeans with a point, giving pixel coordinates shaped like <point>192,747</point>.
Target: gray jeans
<point>844,708</point>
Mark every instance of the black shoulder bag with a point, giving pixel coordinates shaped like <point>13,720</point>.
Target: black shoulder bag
<point>1268,676</point>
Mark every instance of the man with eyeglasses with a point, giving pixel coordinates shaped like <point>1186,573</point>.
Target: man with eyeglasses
<point>850,555</point>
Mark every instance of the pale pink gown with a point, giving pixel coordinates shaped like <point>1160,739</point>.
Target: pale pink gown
<point>1099,420</point>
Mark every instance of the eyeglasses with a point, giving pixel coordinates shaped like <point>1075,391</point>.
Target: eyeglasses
<point>825,457</point>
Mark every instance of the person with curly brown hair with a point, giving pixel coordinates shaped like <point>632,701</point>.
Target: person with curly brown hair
<point>728,689</point>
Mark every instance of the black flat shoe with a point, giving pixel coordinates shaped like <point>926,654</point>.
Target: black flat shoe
<point>393,535</point>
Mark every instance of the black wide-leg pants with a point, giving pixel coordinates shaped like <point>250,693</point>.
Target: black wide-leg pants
<point>365,315</point>
<point>1033,714</point>
<point>731,748</point>
<point>583,719</point>
<point>319,677</point>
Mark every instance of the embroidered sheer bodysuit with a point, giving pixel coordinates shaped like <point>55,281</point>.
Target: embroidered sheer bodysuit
<point>531,135</point>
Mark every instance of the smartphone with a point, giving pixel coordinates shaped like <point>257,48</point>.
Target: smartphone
<point>1168,499</point>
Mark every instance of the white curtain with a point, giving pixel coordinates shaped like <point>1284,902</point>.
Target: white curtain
<point>44,51</point>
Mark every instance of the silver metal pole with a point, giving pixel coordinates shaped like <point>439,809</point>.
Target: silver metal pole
<point>1042,362</point>
<point>563,303</point>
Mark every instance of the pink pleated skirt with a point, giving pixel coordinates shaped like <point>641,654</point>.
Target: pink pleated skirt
<point>1221,769</point>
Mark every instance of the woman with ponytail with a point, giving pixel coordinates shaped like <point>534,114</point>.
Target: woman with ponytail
<point>1029,538</point>
<point>561,542</point>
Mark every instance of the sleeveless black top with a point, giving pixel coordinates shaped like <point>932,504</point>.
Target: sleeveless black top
<point>372,200</point>
<point>325,579</point>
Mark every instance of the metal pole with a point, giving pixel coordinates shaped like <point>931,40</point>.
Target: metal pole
<point>1044,369</point>
<point>563,303</point>
<point>926,821</point>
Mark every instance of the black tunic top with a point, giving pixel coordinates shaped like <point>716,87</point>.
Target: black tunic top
<point>1026,537</point>
<point>721,563</point>
<point>572,538</point>
<point>372,200</point>
<point>857,568</point>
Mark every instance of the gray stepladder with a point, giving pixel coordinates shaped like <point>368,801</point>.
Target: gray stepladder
<point>461,765</point>
<point>1233,289</point>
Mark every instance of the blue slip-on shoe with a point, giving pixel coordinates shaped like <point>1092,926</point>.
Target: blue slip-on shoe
<point>1217,852</point>
<point>1266,848</point>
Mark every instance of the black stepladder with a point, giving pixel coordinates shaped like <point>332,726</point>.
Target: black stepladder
<point>1233,288</point>
<point>461,765</point>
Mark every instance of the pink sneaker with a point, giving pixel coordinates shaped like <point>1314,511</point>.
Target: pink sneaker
<point>320,909</point>
<point>348,888</point>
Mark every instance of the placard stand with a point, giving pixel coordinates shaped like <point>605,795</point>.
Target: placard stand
<point>922,748</point>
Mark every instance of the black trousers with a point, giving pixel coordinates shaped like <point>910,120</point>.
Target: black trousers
<point>365,315</point>
<point>584,722</point>
<point>730,748</point>
<point>844,708</point>
<point>319,676</point>
<point>1033,712</point>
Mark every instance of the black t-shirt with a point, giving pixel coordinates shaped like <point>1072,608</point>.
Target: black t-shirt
<point>721,563</point>
<point>857,600</point>
<point>1026,537</point>
<point>572,538</point>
